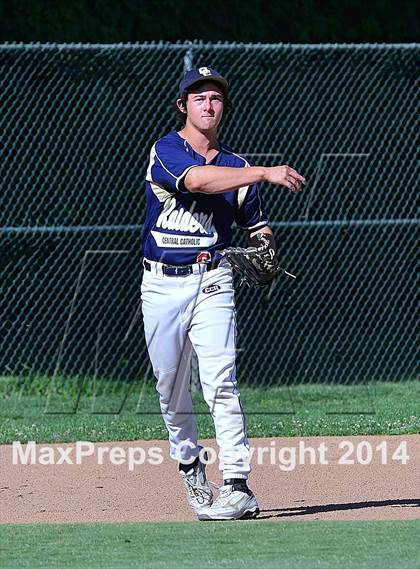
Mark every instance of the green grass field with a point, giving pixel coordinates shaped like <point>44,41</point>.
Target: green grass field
<point>102,413</point>
<point>291,545</point>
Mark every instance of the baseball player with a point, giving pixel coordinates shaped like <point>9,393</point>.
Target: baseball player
<point>196,188</point>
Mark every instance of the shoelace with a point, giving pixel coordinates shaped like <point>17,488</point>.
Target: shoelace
<point>201,494</point>
<point>223,496</point>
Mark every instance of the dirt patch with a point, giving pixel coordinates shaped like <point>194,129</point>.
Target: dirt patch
<point>377,486</point>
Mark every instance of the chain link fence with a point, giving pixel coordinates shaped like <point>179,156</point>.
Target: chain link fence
<point>77,123</point>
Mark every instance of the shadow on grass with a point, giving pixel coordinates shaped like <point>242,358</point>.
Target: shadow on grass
<point>308,510</point>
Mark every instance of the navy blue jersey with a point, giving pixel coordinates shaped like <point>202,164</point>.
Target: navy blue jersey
<point>180,224</point>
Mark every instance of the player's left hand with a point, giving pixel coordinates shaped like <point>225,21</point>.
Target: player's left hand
<point>257,266</point>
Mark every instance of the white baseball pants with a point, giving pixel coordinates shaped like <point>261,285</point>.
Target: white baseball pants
<point>182,313</point>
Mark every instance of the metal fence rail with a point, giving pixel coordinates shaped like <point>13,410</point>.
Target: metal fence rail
<point>77,123</point>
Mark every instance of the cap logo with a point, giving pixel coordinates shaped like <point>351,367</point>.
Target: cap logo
<point>204,71</point>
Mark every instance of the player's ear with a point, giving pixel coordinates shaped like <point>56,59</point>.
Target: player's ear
<point>181,106</point>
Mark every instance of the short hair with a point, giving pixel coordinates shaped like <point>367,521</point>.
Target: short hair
<point>182,117</point>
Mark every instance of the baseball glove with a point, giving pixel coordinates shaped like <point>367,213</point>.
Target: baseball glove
<point>257,266</point>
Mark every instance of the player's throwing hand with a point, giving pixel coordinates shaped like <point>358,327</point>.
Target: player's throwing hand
<point>285,176</point>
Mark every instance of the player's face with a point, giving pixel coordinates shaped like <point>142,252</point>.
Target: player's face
<point>205,106</point>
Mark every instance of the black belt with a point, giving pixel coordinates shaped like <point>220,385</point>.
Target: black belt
<point>181,271</point>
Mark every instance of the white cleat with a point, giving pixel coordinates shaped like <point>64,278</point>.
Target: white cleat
<point>200,494</point>
<point>235,502</point>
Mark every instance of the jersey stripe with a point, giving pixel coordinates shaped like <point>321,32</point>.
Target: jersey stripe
<point>161,194</point>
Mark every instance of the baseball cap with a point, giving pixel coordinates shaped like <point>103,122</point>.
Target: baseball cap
<point>201,74</point>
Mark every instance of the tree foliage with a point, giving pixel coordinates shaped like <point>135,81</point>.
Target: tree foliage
<point>269,21</point>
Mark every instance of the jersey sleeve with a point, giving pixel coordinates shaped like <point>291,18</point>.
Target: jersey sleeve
<point>168,166</point>
<point>250,213</point>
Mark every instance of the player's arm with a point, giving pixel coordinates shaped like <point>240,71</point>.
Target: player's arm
<point>252,237</point>
<point>220,179</point>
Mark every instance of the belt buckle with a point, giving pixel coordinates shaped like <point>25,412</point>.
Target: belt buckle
<point>175,270</point>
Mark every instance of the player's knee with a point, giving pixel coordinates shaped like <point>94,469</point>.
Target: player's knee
<point>223,394</point>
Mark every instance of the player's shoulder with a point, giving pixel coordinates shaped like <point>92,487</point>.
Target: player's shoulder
<point>239,160</point>
<point>168,141</point>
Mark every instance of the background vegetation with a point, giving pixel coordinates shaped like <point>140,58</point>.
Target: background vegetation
<point>287,21</point>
